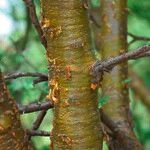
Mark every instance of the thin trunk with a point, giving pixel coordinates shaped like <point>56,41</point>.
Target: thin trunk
<point>76,118</point>
<point>113,34</point>
<point>11,132</point>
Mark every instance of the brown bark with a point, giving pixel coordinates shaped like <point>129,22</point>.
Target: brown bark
<point>113,42</point>
<point>76,119</point>
<point>11,132</point>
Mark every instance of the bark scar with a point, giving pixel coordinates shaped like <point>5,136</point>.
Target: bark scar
<point>48,27</point>
<point>66,139</point>
<point>53,93</point>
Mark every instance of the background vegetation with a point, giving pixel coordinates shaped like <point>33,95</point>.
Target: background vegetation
<point>21,51</point>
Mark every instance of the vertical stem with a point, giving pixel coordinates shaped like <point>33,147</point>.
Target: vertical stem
<point>11,132</point>
<point>76,120</point>
<point>113,34</point>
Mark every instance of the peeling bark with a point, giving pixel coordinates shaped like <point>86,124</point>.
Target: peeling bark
<point>113,34</point>
<point>76,117</point>
<point>11,132</point>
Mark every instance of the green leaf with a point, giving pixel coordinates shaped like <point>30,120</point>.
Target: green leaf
<point>103,100</point>
<point>95,3</point>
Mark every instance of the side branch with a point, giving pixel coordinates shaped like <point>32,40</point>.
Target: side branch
<point>36,124</point>
<point>137,38</point>
<point>97,69</point>
<point>107,65</point>
<point>35,107</point>
<point>34,19</point>
<point>28,74</point>
<point>37,133</point>
<point>41,77</point>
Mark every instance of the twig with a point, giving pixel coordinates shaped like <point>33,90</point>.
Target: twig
<point>98,68</point>
<point>37,133</point>
<point>35,107</point>
<point>39,120</point>
<point>107,65</point>
<point>137,38</point>
<point>41,77</point>
<point>28,74</point>
<point>39,80</point>
<point>34,19</point>
<point>37,123</point>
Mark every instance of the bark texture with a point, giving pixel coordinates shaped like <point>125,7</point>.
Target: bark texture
<point>11,132</point>
<point>113,30</point>
<point>76,117</point>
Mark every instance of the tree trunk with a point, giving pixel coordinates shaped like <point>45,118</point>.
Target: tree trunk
<point>76,123</point>
<point>113,34</point>
<point>11,132</point>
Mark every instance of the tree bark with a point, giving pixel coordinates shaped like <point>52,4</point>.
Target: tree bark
<point>113,34</point>
<point>11,131</point>
<point>76,117</point>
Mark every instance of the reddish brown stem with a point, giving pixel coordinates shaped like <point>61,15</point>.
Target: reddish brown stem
<point>136,38</point>
<point>35,107</point>
<point>38,133</point>
<point>107,65</point>
<point>34,19</point>
<point>37,123</point>
<point>28,74</point>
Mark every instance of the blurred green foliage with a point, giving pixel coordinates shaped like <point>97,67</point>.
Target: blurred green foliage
<point>95,3</point>
<point>21,51</point>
